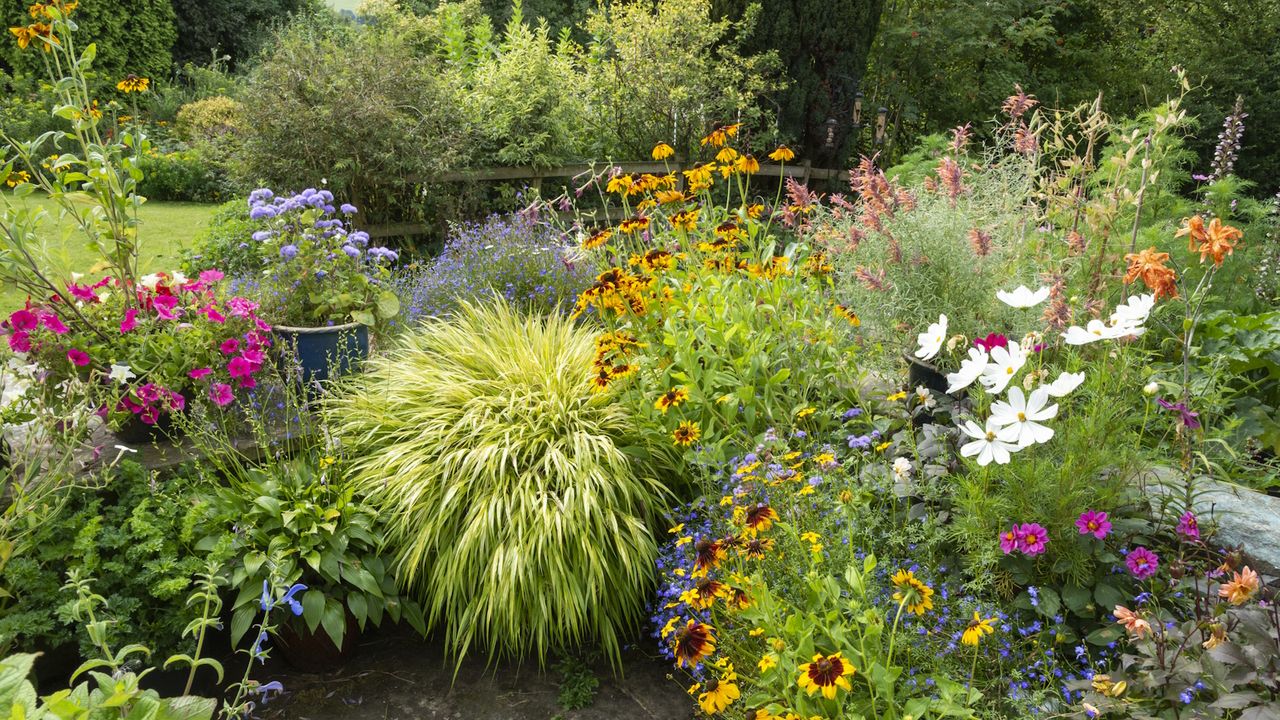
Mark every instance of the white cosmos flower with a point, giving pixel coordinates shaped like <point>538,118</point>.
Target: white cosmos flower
<point>1135,311</point>
<point>1096,330</point>
<point>121,374</point>
<point>925,397</point>
<point>1019,418</point>
<point>931,340</point>
<point>1023,297</point>
<point>1065,383</point>
<point>969,370</point>
<point>986,444</point>
<point>1005,363</point>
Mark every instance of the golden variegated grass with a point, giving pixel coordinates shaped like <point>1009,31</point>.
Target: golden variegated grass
<point>518,502</point>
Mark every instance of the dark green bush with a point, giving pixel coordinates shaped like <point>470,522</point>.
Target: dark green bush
<point>135,537</point>
<point>183,175</point>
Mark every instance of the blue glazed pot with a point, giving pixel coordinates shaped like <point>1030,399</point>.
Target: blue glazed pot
<point>323,353</point>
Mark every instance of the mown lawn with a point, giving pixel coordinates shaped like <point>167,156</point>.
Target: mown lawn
<point>167,228</point>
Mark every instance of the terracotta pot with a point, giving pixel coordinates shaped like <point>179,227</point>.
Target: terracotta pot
<point>314,652</point>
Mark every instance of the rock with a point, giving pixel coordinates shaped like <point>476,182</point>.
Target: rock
<point>1242,517</point>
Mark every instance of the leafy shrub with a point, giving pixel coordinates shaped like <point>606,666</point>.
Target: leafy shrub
<point>226,243</point>
<point>301,523</point>
<point>209,118</point>
<point>361,108</point>
<point>514,257</point>
<point>135,535</point>
<point>182,175</point>
<point>517,501</point>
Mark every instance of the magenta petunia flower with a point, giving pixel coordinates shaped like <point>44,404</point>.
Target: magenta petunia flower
<point>20,341</point>
<point>992,341</point>
<point>1142,563</point>
<point>83,293</point>
<point>130,321</point>
<point>165,306</point>
<point>176,401</point>
<point>23,320</point>
<point>239,368</point>
<point>53,323</point>
<point>199,373</point>
<point>1009,540</point>
<point>212,313</point>
<point>1093,522</point>
<point>1033,538</point>
<point>209,277</point>
<point>1188,526</point>
<point>221,394</point>
<point>230,346</point>
<point>78,357</point>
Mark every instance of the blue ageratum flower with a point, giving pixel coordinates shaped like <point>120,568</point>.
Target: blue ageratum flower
<point>289,252</point>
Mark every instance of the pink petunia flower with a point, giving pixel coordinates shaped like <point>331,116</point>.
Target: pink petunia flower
<point>166,306</point>
<point>230,346</point>
<point>20,341</point>
<point>175,400</point>
<point>130,321</point>
<point>23,320</point>
<point>199,373</point>
<point>1188,526</point>
<point>209,277</point>
<point>149,415</point>
<point>1033,538</point>
<point>221,394</point>
<point>1093,522</point>
<point>1142,563</point>
<point>83,293</point>
<point>53,323</point>
<point>212,313</point>
<point>78,357</point>
<point>240,307</point>
<point>239,368</point>
<point>1009,539</point>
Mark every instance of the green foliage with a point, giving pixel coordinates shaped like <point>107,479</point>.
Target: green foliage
<point>823,49</point>
<point>101,696</point>
<point>135,535</point>
<point>361,111</point>
<point>301,523</point>
<point>517,501</point>
<point>670,70</point>
<point>234,28</point>
<point>578,684</point>
<point>185,175</point>
<point>209,118</point>
<point>224,243</point>
<point>132,36</point>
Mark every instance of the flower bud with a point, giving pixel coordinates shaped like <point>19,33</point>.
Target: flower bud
<point>1151,388</point>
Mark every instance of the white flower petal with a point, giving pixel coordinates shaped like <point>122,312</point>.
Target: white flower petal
<point>1023,297</point>
<point>1065,384</point>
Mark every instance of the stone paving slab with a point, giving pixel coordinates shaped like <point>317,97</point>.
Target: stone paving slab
<point>397,675</point>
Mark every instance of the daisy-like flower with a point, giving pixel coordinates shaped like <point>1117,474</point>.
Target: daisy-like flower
<point>686,433</point>
<point>1142,563</point>
<point>597,239</point>
<point>931,340</point>
<point>720,692</point>
<point>1020,417</point>
<point>1023,297</point>
<point>976,628</point>
<point>1064,385</point>
<point>1133,623</point>
<point>1188,526</point>
<point>970,369</point>
<point>925,397</point>
<point>1032,538</point>
<point>662,151</point>
<point>826,674</point>
<point>1005,363</point>
<point>782,154</point>
<point>671,398</point>
<point>916,596</point>
<point>133,83</point>
<point>1134,312</point>
<point>1093,332</point>
<point>1093,522</point>
<point>692,643</point>
<point>1242,586</point>
<point>708,554</point>
<point>1010,539</point>
<point>986,444</point>
<point>760,518</point>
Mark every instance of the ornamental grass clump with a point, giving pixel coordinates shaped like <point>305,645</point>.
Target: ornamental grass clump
<point>517,502</point>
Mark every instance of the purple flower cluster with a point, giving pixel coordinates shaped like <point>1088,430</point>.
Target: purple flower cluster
<point>514,257</point>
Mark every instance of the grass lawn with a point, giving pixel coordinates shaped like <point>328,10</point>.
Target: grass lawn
<point>167,228</point>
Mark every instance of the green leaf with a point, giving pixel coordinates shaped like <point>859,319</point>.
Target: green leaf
<point>187,708</point>
<point>364,317</point>
<point>388,305</point>
<point>15,689</point>
<point>313,608</point>
<point>359,607</point>
<point>1077,598</point>
<point>335,620</point>
<point>241,619</point>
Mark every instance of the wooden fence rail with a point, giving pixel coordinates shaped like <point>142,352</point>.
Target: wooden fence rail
<point>804,172</point>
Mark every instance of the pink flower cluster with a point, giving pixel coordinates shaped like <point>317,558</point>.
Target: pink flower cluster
<point>1027,538</point>
<point>164,305</point>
